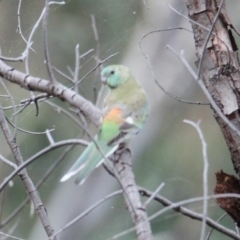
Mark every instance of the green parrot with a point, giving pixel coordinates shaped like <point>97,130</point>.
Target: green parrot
<point>125,111</point>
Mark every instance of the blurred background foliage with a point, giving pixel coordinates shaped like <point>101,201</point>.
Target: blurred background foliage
<point>167,150</point>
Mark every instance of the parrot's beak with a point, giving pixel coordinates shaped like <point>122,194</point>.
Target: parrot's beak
<point>104,79</point>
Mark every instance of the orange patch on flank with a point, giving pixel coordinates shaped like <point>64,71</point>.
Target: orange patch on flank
<point>115,115</point>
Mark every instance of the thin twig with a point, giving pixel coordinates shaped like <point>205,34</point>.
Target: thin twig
<point>211,231</point>
<point>28,132</point>
<point>38,185</point>
<point>87,211</point>
<point>189,213</point>
<point>50,138</point>
<point>29,41</point>
<point>41,85</point>
<point>76,70</point>
<point>8,162</point>
<point>45,43</point>
<point>155,193</point>
<point>62,74</point>
<point>204,89</point>
<point>144,3</point>
<point>70,71</point>
<point>97,56</point>
<point>20,58</point>
<point>64,111</point>
<point>10,236</point>
<point>99,64</point>
<point>152,70</point>
<point>21,109</point>
<point>19,29</point>
<point>179,204</point>
<point>203,27</point>
<point>13,104</point>
<point>39,154</point>
<point>4,96</point>
<point>205,174</point>
<point>2,201</point>
<point>35,197</point>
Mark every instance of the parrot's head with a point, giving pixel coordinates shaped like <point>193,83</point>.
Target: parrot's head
<point>115,75</point>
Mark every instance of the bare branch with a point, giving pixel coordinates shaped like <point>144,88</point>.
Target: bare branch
<point>177,205</point>
<point>45,42</point>
<point>8,162</point>
<point>62,74</point>
<point>204,89</point>
<point>99,64</point>
<point>155,193</point>
<point>26,131</point>
<point>205,174</point>
<point>64,111</point>
<point>19,29</point>
<point>39,207</point>
<point>152,70</point>
<point>13,104</point>
<point>209,234</point>
<point>58,90</point>
<point>34,30</point>
<point>76,71</point>
<point>191,214</point>
<point>122,165</point>
<point>87,211</point>
<point>38,185</point>
<point>50,138</point>
<point>10,236</point>
<point>39,154</point>
<point>97,57</point>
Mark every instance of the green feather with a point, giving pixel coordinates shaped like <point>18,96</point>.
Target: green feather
<point>125,95</point>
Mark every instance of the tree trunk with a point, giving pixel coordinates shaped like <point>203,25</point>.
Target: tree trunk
<point>220,66</point>
<point>219,71</point>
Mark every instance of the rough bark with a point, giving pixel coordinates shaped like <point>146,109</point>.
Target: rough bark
<point>123,166</point>
<point>220,66</point>
<point>228,184</point>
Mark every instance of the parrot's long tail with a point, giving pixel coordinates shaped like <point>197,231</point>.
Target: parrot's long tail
<point>95,160</point>
<point>80,163</point>
<point>88,161</point>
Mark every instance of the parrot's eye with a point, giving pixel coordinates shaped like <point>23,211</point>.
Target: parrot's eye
<point>112,72</point>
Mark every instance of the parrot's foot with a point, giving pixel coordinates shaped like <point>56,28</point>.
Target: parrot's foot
<point>122,147</point>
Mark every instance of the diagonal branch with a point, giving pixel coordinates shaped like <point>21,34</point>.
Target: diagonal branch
<point>57,90</point>
<point>191,214</point>
<point>32,191</point>
<point>137,210</point>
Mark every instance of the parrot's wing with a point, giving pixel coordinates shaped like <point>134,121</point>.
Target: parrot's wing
<point>128,129</point>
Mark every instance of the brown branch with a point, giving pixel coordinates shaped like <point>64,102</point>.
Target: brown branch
<point>58,90</point>
<point>38,185</point>
<point>169,94</point>
<point>87,211</point>
<point>39,154</point>
<point>45,43</point>
<point>189,213</point>
<point>123,166</point>
<point>220,67</point>
<point>32,191</point>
